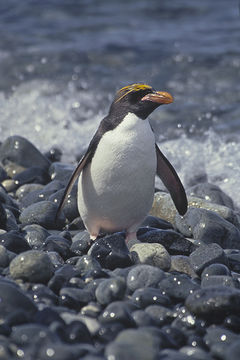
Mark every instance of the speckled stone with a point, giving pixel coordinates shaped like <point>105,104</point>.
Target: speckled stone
<point>206,255</point>
<point>151,254</point>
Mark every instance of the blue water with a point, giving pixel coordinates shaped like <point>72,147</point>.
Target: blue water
<point>62,60</point>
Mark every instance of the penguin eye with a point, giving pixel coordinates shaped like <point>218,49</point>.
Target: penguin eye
<point>137,96</point>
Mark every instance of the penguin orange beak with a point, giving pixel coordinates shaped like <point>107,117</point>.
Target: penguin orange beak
<point>159,97</point>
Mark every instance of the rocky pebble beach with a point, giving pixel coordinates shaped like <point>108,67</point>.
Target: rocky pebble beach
<point>174,294</point>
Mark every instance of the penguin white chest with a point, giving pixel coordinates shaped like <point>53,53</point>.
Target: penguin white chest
<point>115,191</point>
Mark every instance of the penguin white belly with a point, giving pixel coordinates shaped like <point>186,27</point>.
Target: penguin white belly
<point>115,191</point>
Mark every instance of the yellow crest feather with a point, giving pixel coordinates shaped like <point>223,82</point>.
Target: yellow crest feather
<point>129,88</point>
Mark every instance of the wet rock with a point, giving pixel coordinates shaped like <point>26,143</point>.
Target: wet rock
<point>13,299</point>
<point>218,339</point>
<point>206,255</point>
<point>144,297</point>
<point>219,280</point>
<point>19,150</point>
<point>58,244</point>
<point>214,303</point>
<point>233,351</point>
<point>88,267</point>
<point>44,214</point>
<point>117,311</point>
<point>75,298</point>
<point>160,315</point>
<point>211,193</point>
<point>215,269</point>
<point>35,235</point>
<point>3,217</point>
<point>81,243</point>
<point>207,227</point>
<point>61,172</point>
<point>26,189</point>
<point>70,208</point>
<point>156,222</point>
<point>41,194</point>
<point>14,241</point>
<point>110,290</point>
<point>173,242</point>
<point>32,175</point>
<point>111,251</point>
<point>32,266</point>
<point>178,286</point>
<point>144,276</point>
<point>135,345</point>
<point>151,254</point>
<point>4,258</point>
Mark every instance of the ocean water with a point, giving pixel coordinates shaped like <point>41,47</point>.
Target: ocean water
<point>61,62</point>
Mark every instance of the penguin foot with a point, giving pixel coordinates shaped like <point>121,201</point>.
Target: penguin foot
<point>93,237</point>
<point>131,237</point>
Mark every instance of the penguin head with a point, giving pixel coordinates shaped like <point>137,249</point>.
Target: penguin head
<point>140,99</point>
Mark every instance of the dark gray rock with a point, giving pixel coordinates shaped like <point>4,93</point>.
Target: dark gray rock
<point>81,243</point>
<point>211,193</point>
<point>177,286</point>
<point>70,208</point>
<point>214,303</point>
<point>111,251</point>
<point>218,339</point>
<point>160,315</point>
<point>74,298</point>
<point>4,258</point>
<point>26,334</point>
<point>144,276</point>
<point>117,311</point>
<point>40,194</point>
<point>215,269</point>
<point>134,344</point>
<point>110,290</point>
<point>14,241</point>
<point>60,171</point>
<point>32,266</point>
<point>233,351</point>
<point>141,318</point>
<point>156,222</point>
<point>44,214</point>
<point>35,235</point>
<point>20,151</point>
<point>89,267</point>
<point>195,353</point>
<point>206,255</point>
<point>26,189</point>
<point>149,296</point>
<point>208,227</point>
<point>13,299</point>
<point>219,280</point>
<point>32,175</point>
<point>173,242</point>
<point>58,244</point>
<point>233,257</point>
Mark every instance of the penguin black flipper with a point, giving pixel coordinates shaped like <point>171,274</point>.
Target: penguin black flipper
<point>84,160</point>
<point>170,179</point>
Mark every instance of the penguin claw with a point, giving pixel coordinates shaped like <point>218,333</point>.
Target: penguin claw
<point>93,237</point>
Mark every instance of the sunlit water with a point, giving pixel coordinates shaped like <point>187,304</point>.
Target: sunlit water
<point>61,62</point>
